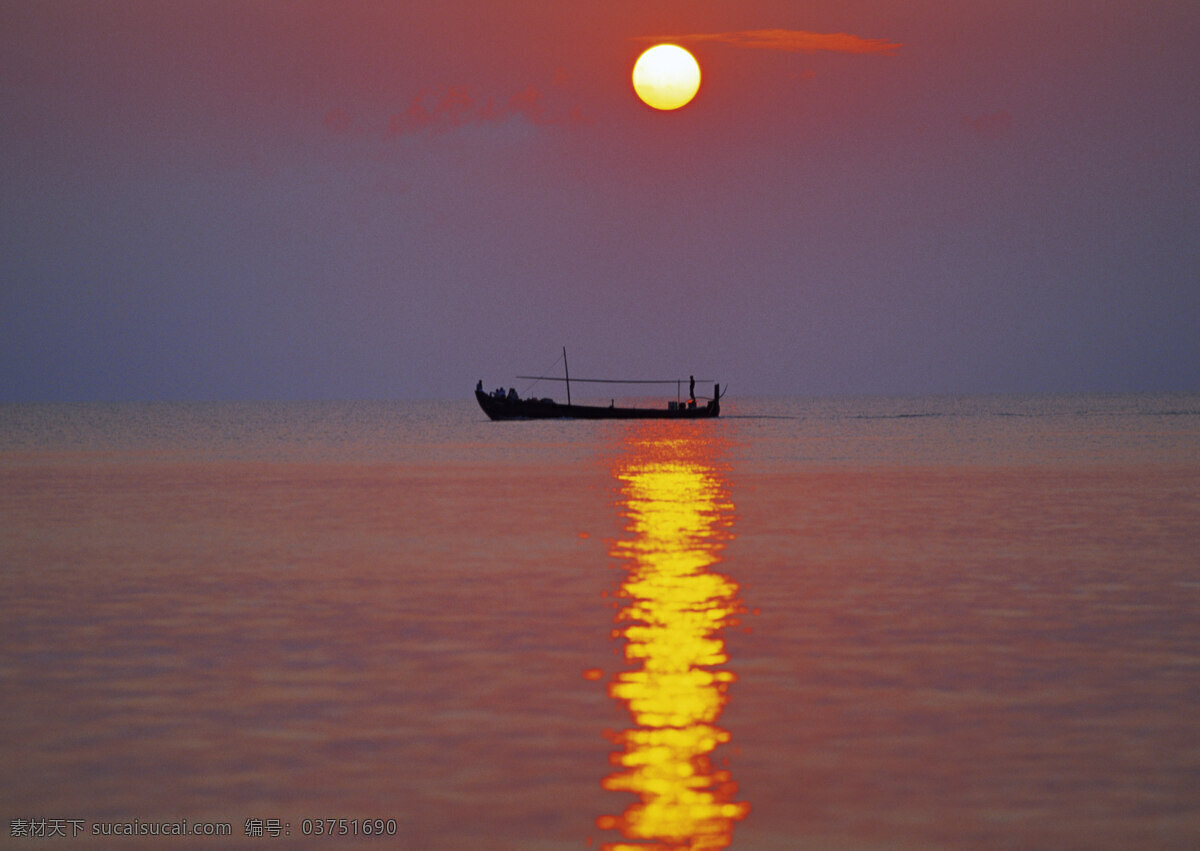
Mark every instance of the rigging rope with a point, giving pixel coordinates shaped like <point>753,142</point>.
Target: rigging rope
<point>536,378</point>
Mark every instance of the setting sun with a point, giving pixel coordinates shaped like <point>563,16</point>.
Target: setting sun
<point>666,77</point>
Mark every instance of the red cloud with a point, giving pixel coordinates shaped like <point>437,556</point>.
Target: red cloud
<point>993,125</point>
<point>455,107</point>
<point>795,41</point>
<point>338,121</point>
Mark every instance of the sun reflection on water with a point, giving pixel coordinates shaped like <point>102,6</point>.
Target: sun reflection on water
<point>673,607</point>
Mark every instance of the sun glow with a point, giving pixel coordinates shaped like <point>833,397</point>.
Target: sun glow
<point>674,609</point>
<point>666,77</point>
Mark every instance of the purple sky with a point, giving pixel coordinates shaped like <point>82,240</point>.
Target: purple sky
<point>262,200</point>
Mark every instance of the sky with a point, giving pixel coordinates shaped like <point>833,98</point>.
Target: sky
<point>301,199</point>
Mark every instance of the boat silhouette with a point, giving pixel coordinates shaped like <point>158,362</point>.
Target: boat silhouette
<point>501,405</point>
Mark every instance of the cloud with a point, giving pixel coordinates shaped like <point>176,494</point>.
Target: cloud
<point>440,111</point>
<point>992,125</point>
<point>792,41</point>
<point>338,121</point>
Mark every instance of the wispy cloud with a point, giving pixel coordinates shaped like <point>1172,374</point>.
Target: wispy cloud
<point>793,41</point>
<point>992,125</point>
<point>443,110</point>
<point>455,107</point>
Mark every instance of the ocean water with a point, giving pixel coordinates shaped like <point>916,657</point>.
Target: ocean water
<point>849,623</point>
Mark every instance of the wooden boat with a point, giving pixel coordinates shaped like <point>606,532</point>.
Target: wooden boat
<point>509,406</point>
<point>504,408</point>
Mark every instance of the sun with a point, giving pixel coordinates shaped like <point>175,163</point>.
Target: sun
<point>666,76</point>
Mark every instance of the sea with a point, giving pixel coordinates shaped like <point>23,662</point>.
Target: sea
<point>937,622</point>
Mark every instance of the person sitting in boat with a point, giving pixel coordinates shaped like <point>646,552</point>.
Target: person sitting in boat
<point>512,394</point>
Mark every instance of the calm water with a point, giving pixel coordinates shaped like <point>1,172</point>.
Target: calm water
<point>827,624</point>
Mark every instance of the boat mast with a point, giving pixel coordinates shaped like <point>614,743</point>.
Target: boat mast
<point>568,374</point>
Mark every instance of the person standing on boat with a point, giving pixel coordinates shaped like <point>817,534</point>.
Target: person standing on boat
<point>692,391</point>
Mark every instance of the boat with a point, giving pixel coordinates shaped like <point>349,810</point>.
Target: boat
<point>500,405</point>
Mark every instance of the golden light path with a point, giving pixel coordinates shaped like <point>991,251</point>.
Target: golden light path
<point>673,608</point>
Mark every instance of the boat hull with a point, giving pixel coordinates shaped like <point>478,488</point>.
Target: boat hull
<point>546,409</point>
